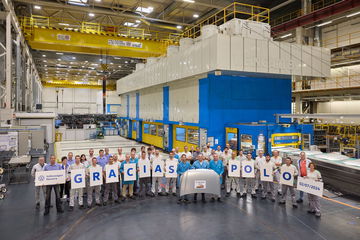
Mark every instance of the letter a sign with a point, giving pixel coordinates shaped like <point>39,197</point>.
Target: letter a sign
<point>112,173</point>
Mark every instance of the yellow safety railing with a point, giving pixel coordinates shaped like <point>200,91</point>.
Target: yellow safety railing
<point>336,82</point>
<point>29,23</point>
<point>295,14</point>
<point>234,10</point>
<point>342,40</point>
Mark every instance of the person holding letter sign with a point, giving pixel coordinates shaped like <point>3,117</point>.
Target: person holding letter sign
<point>156,181</point>
<point>287,174</point>
<point>144,182</point>
<point>314,200</point>
<point>267,170</point>
<point>38,168</point>
<point>217,165</point>
<point>170,173</point>
<point>128,186</point>
<point>182,167</point>
<point>248,172</point>
<point>111,172</point>
<point>94,173</point>
<point>230,180</point>
<point>52,166</point>
<point>303,166</point>
<point>76,191</point>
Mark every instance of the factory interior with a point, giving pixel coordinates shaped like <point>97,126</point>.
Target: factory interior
<point>116,114</point>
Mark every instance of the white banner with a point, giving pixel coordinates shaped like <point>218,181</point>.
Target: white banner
<point>43,178</point>
<point>310,186</point>
<point>266,173</point>
<point>144,168</point>
<point>77,178</point>
<point>234,168</point>
<point>96,177</point>
<point>158,168</point>
<point>286,176</point>
<point>112,173</point>
<point>171,167</point>
<point>129,171</point>
<point>247,169</point>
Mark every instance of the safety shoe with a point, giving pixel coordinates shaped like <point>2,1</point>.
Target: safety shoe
<point>81,207</point>
<point>273,199</point>
<point>318,214</point>
<point>174,194</point>
<point>212,199</point>
<point>104,203</point>
<point>263,198</point>
<point>219,200</point>
<point>227,194</point>
<point>71,208</point>
<point>203,200</point>
<point>117,201</point>
<point>37,206</point>
<point>299,200</point>
<point>295,205</point>
<point>46,212</point>
<point>60,211</point>
<point>253,196</point>
<point>311,211</point>
<point>179,201</point>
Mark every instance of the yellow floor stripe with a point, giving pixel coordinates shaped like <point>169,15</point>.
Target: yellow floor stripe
<point>345,204</point>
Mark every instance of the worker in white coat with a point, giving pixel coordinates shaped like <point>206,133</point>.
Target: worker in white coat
<point>156,188</point>
<point>260,158</point>
<point>92,189</point>
<point>39,167</point>
<point>79,191</point>
<point>249,182</point>
<point>187,153</point>
<point>171,182</point>
<point>314,200</point>
<point>233,180</point>
<point>268,187</point>
<point>278,162</point>
<point>288,167</point>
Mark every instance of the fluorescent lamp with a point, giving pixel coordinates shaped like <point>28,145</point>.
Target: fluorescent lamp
<point>189,1</point>
<point>137,21</point>
<point>144,10</point>
<point>196,15</point>
<point>73,57</point>
<point>91,15</point>
<point>179,27</point>
<point>286,35</point>
<point>64,24</point>
<point>59,53</point>
<point>129,24</point>
<point>353,14</point>
<point>37,7</point>
<point>323,24</point>
<point>44,55</point>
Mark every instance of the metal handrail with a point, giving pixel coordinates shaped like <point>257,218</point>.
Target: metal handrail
<point>234,10</point>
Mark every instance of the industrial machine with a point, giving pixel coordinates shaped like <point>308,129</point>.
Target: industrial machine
<point>3,188</point>
<point>251,137</point>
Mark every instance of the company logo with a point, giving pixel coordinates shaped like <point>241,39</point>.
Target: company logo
<point>41,178</point>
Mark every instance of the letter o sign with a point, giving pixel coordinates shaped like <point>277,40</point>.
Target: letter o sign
<point>286,175</point>
<point>248,169</point>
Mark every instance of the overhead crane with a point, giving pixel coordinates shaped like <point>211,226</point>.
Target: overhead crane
<point>50,34</point>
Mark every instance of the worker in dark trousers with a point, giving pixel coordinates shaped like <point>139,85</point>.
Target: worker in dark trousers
<point>200,164</point>
<point>134,159</point>
<point>144,182</point>
<point>110,187</point>
<point>52,166</point>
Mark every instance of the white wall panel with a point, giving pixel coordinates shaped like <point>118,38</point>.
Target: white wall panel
<point>132,105</point>
<point>262,56</point>
<point>151,103</point>
<point>249,55</point>
<point>296,59</point>
<point>316,61</point>
<point>205,55</point>
<point>325,61</point>
<point>274,55</point>
<point>306,60</point>
<point>184,101</point>
<point>237,53</point>
<point>284,62</point>
<point>222,52</point>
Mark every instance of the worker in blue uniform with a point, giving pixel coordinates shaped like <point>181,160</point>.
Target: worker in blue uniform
<point>200,164</point>
<point>217,165</point>
<point>127,185</point>
<point>182,167</point>
<point>135,159</point>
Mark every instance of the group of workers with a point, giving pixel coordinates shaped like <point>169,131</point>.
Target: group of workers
<point>208,158</point>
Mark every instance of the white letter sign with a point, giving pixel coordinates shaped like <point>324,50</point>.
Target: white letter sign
<point>234,168</point>
<point>158,168</point>
<point>112,173</point>
<point>310,186</point>
<point>130,172</point>
<point>96,177</point>
<point>144,168</point>
<point>49,177</point>
<point>286,176</point>
<point>248,170</point>
<point>77,178</point>
<point>171,167</point>
<point>266,173</point>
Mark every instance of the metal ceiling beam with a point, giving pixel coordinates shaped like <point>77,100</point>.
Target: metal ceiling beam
<point>97,10</point>
<point>316,115</point>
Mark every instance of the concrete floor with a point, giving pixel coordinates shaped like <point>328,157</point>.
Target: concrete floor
<point>162,218</point>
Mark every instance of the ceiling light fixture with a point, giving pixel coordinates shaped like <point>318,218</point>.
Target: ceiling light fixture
<point>286,35</point>
<point>59,53</point>
<point>91,15</point>
<point>189,1</point>
<point>179,27</point>
<point>64,24</point>
<point>145,10</point>
<point>353,14</point>
<point>196,15</point>
<point>323,24</point>
<point>44,55</point>
<point>37,7</point>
